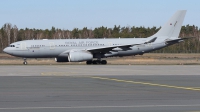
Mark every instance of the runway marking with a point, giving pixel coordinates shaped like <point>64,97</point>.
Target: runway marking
<point>91,107</point>
<point>118,80</point>
<point>146,83</point>
<point>58,73</point>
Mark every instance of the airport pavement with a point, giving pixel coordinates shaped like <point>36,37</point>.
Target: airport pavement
<point>99,88</point>
<point>95,70</point>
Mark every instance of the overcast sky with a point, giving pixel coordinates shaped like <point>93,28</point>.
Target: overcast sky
<point>69,14</point>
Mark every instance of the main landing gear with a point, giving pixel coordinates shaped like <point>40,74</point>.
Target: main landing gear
<point>95,62</point>
<point>25,62</point>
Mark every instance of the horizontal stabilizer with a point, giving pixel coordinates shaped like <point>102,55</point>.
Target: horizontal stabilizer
<point>177,40</point>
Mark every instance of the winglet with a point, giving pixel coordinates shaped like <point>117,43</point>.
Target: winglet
<point>150,41</point>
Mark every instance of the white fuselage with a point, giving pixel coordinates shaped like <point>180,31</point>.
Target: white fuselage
<point>53,48</point>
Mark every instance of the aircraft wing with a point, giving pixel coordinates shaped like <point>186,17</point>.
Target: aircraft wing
<point>117,47</point>
<point>110,48</point>
<point>104,49</point>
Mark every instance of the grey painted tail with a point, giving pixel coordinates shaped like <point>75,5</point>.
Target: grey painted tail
<point>172,28</point>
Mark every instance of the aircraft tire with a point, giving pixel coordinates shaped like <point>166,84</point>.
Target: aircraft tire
<point>25,63</point>
<point>88,62</point>
<point>104,62</point>
<point>94,62</point>
<point>98,61</point>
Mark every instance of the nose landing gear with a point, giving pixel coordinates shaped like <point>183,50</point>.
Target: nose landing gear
<point>25,62</point>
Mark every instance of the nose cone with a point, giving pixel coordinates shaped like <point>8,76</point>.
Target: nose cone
<point>7,50</point>
<point>4,50</point>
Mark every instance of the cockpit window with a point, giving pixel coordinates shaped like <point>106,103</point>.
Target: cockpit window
<point>11,46</point>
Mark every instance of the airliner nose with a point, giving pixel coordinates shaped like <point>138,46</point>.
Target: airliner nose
<point>6,50</point>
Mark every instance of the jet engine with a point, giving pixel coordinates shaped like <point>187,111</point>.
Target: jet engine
<point>77,56</point>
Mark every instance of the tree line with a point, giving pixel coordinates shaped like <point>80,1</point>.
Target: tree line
<point>10,33</point>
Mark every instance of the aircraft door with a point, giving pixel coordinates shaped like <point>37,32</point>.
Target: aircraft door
<point>150,46</point>
<point>52,45</point>
<point>110,43</point>
<point>23,46</point>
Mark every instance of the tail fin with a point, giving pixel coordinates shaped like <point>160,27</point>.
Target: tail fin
<point>173,26</point>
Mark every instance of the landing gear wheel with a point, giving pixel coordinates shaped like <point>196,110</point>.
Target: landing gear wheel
<point>94,62</point>
<point>98,61</point>
<point>25,63</point>
<point>88,62</point>
<point>104,62</point>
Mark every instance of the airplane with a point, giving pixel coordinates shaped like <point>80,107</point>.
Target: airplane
<point>78,50</point>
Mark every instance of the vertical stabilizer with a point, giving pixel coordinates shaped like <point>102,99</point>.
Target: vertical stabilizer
<point>173,26</point>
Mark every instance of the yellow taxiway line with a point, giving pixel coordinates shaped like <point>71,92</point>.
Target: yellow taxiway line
<point>119,80</point>
<point>146,83</point>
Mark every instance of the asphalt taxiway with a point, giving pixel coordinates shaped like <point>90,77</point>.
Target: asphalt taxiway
<point>107,88</point>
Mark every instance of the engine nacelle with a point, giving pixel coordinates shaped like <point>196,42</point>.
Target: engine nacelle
<point>77,56</point>
<point>63,59</point>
